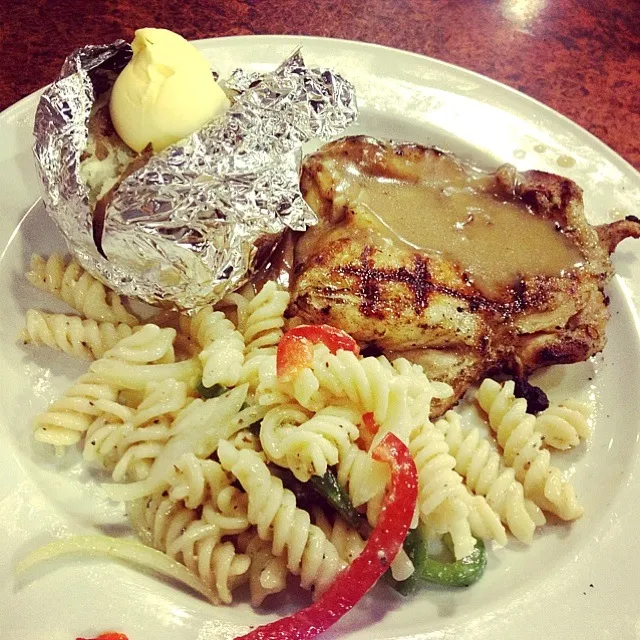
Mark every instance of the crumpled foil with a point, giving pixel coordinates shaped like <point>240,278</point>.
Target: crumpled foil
<point>188,227</point>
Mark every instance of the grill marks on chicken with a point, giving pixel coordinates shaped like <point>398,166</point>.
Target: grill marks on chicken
<point>455,312</point>
<point>370,279</point>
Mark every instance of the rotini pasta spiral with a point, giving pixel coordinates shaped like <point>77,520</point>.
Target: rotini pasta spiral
<point>306,445</point>
<point>441,498</point>
<point>197,481</point>
<point>486,475</point>
<point>402,411</point>
<point>267,573</point>
<point>71,334</point>
<point>564,425</point>
<point>165,398</point>
<point>484,521</point>
<point>260,373</point>
<point>67,419</point>
<point>184,345</point>
<point>444,502</point>
<point>222,345</point>
<point>343,537</point>
<point>261,321</point>
<point>125,451</point>
<point>127,445</point>
<point>247,439</point>
<point>195,540</point>
<point>397,394</point>
<point>273,510</point>
<point>362,381</point>
<point>421,390</point>
<point>361,476</point>
<point>150,344</point>
<point>81,291</point>
<point>262,326</point>
<point>439,481</point>
<point>522,446</point>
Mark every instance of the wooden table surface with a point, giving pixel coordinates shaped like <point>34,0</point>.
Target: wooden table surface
<point>580,57</point>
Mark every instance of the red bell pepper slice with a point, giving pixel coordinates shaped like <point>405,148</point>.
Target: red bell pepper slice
<point>368,431</point>
<point>381,548</point>
<point>295,349</point>
<point>107,636</point>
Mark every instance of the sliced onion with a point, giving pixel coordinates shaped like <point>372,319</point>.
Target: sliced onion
<point>129,550</point>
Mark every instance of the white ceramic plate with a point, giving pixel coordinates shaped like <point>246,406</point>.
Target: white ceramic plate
<point>576,581</point>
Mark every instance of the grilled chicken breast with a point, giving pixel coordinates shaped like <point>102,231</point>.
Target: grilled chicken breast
<point>419,255</point>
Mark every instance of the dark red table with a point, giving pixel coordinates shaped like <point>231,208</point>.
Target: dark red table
<point>581,57</point>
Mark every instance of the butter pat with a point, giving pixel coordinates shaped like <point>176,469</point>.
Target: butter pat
<point>165,93</point>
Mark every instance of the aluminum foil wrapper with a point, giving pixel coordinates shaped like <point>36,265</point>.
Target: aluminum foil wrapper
<point>189,226</point>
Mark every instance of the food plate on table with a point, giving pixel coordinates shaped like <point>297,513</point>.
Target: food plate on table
<point>575,579</point>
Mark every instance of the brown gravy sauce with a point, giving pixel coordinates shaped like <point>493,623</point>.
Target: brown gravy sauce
<point>495,239</point>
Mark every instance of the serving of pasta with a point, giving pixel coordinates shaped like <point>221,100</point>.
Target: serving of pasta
<point>222,450</point>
